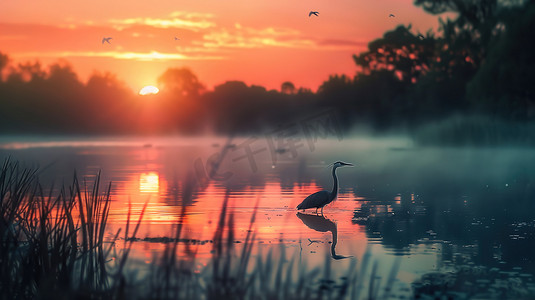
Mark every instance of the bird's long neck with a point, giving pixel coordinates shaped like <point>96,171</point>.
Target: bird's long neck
<point>334,192</point>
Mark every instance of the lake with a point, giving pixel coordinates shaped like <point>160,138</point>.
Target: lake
<point>410,211</point>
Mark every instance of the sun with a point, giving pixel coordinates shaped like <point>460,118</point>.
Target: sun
<point>149,90</point>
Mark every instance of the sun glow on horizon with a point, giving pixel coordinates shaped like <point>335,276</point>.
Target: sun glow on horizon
<point>149,90</point>
<point>218,44</point>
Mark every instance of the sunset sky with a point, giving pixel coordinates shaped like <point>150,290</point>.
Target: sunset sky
<point>259,42</point>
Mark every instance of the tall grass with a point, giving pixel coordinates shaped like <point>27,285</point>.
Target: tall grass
<point>239,274</point>
<point>54,246</point>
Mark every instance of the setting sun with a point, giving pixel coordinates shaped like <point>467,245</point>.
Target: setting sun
<point>149,90</point>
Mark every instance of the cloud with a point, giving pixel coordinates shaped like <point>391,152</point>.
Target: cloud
<point>189,20</point>
<point>151,39</point>
<point>248,37</point>
<point>192,15</point>
<point>240,36</point>
<point>140,56</point>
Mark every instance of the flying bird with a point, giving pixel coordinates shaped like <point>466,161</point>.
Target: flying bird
<point>106,39</point>
<point>176,39</point>
<point>322,198</point>
<point>421,37</point>
<point>391,16</point>
<point>313,13</point>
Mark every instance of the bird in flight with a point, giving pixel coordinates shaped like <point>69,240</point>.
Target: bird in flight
<point>421,37</point>
<point>313,13</point>
<point>391,16</point>
<point>176,39</point>
<point>106,39</point>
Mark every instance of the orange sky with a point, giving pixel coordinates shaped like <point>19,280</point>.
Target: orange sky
<point>259,42</point>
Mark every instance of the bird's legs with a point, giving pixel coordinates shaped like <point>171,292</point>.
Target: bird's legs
<point>322,211</point>
<point>316,210</point>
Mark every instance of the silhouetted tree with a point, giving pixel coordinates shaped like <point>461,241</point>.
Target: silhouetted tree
<point>387,73</point>
<point>481,61</point>
<point>503,85</point>
<point>178,107</point>
<point>400,52</point>
<point>29,72</point>
<point>381,99</point>
<point>339,92</point>
<point>463,49</point>
<point>180,81</point>
<point>4,60</point>
<point>474,26</point>
<point>288,88</point>
<point>234,106</point>
<point>60,98</point>
<point>110,105</point>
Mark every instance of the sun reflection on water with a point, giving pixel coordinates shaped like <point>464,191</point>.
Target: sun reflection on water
<point>149,182</point>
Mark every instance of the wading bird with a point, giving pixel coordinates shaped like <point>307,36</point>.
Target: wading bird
<point>322,198</point>
<point>313,13</point>
<point>106,40</point>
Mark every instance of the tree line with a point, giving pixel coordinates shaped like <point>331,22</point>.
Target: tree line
<point>479,63</point>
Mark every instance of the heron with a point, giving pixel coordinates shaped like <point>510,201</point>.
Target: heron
<point>313,13</point>
<point>106,40</point>
<point>322,198</point>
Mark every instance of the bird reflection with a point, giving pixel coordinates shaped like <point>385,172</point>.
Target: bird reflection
<point>322,224</point>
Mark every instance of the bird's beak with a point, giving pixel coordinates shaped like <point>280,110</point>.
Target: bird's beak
<point>347,164</point>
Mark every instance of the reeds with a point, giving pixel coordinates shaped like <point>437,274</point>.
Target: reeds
<point>241,273</point>
<point>55,246</point>
<point>52,245</point>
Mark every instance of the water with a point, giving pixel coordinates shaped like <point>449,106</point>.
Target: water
<point>424,209</point>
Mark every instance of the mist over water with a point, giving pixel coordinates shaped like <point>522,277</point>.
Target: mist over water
<point>426,209</point>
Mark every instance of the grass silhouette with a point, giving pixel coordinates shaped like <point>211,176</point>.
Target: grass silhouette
<point>55,246</point>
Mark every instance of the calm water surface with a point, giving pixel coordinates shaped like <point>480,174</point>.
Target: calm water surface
<point>422,209</point>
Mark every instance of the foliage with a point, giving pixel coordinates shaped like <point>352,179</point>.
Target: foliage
<point>181,82</point>
<point>399,51</point>
<point>287,87</point>
<point>503,85</point>
<point>478,63</point>
<point>52,245</point>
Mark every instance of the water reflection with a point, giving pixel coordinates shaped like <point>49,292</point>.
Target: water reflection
<point>149,182</point>
<point>322,224</point>
<point>431,206</point>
